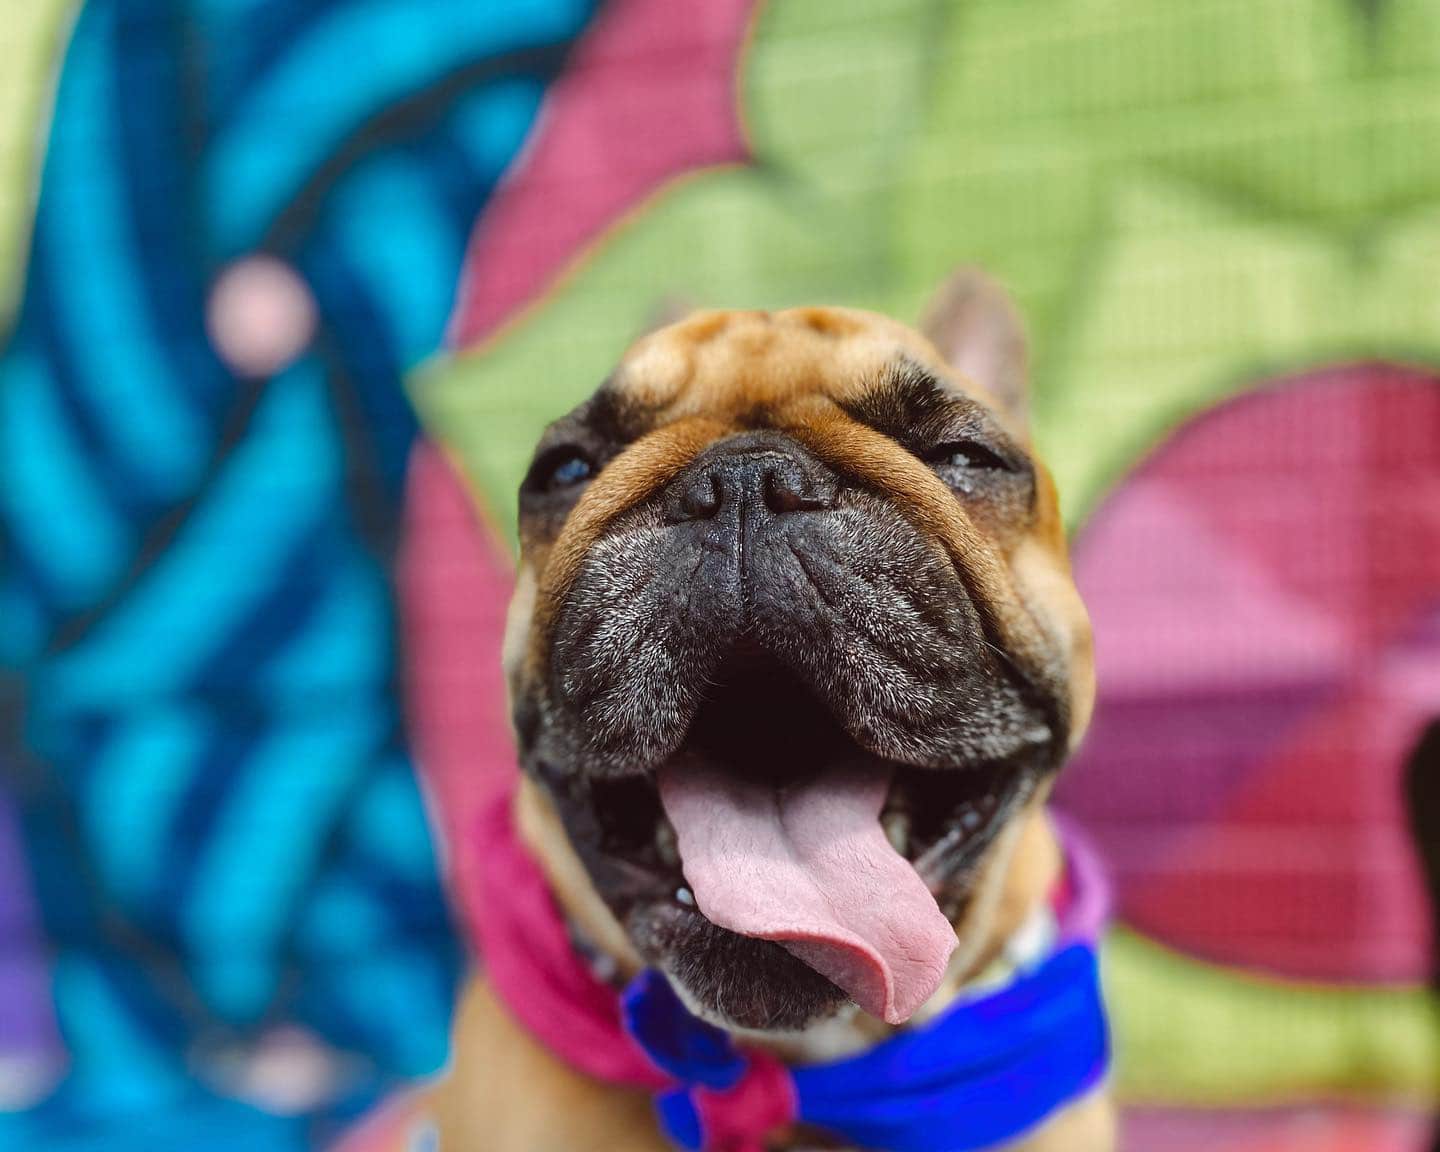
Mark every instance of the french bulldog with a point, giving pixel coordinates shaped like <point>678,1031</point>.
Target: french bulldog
<point>794,657</point>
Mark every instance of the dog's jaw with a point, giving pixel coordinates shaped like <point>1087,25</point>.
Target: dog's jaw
<point>1018,876</point>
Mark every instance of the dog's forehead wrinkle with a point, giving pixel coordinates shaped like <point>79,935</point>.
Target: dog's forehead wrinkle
<point>608,415</point>
<point>727,361</point>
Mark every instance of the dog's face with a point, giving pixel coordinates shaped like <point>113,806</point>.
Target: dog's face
<point>794,643</point>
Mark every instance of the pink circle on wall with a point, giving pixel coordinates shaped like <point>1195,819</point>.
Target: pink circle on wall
<point>260,316</point>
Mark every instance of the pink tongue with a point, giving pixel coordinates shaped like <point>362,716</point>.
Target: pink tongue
<point>809,867</point>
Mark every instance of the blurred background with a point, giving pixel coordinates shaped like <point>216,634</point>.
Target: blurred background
<point>288,289</point>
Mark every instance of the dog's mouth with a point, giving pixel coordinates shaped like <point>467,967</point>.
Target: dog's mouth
<point>820,869</point>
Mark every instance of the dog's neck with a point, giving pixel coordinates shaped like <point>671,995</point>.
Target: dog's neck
<point>1013,889</point>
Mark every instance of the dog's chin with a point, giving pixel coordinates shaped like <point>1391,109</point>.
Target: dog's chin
<point>760,721</point>
<point>732,980</point>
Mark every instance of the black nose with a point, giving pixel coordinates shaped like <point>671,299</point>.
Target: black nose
<point>757,474</point>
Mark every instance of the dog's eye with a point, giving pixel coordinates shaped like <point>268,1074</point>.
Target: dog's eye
<point>966,456</point>
<point>968,466</point>
<point>560,468</point>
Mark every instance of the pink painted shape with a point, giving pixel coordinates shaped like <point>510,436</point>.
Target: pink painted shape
<point>260,315</point>
<point>1330,483</point>
<point>648,94</point>
<point>1316,1129</point>
<point>1158,581</point>
<point>1266,598</point>
<point>1308,870</point>
<point>454,584</point>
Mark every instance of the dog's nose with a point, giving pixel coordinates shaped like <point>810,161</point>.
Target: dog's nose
<point>763,476</point>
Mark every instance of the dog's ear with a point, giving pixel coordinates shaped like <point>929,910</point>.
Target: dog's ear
<point>976,328</point>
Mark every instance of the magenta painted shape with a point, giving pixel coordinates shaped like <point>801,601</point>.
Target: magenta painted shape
<point>1265,589</point>
<point>453,582</point>
<point>649,93</point>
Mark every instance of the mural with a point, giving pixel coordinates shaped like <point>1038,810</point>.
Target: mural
<point>200,508</point>
<point>304,280</point>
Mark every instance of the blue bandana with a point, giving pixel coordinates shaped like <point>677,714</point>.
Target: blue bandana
<point>983,1073</point>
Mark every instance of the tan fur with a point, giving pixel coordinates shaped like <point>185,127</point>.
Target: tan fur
<point>507,1093</point>
<point>706,377</point>
<point>541,832</point>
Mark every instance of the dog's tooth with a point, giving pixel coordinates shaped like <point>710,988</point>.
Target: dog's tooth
<point>971,819</point>
<point>665,843</point>
<point>685,897</point>
<point>897,829</point>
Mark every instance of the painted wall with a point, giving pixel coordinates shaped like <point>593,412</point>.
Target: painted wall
<point>301,282</point>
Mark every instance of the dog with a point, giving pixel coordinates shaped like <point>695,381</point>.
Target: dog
<point>794,657</point>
